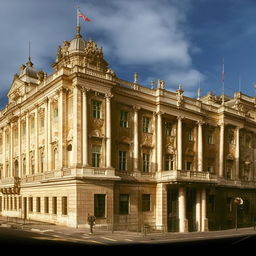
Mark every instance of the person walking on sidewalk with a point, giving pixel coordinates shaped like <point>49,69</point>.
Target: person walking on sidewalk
<point>91,221</point>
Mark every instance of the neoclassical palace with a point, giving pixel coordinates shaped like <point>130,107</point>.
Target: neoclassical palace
<point>83,141</point>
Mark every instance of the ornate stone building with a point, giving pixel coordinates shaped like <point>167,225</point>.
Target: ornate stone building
<point>82,140</point>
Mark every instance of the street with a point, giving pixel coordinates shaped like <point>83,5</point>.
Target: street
<point>45,238</point>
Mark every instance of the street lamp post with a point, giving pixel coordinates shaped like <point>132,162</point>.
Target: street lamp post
<point>237,201</point>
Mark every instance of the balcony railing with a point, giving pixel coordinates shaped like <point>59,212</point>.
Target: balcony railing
<point>178,175</point>
<point>89,172</point>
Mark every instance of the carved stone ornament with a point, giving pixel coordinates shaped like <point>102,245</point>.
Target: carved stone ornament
<point>70,135</point>
<point>179,97</point>
<point>147,139</point>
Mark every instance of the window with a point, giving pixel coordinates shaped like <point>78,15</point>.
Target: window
<point>122,160</point>
<point>24,166</point>
<point>46,204</point>
<point>55,159</point>
<point>54,205</point>
<point>55,113</point>
<point>146,124</point>
<point>32,163</point>
<point>168,129</point>
<point>99,205</point>
<point>190,135</point>
<point>188,166</point>
<point>64,205</point>
<point>210,139</point>
<point>146,162</point>
<point>124,119</point>
<point>229,204</point>
<point>146,202</point>
<point>38,204</point>
<point>30,202</point>
<point>96,109</point>
<point>96,155</point>
<point>42,161</point>
<point>41,122</point>
<point>124,204</point>
<point>229,173</point>
<point>169,163</point>
<point>210,169</point>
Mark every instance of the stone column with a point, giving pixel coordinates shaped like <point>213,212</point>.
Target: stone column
<point>49,135</point>
<point>179,142</point>
<point>4,153</point>
<point>159,142</point>
<point>85,128</point>
<point>221,150</point>
<point>200,147</point>
<point>108,129</point>
<point>61,127</point>
<point>198,209</point>
<point>204,224</point>
<point>46,127</point>
<point>11,173</point>
<point>237,154</point>
<point>19,148</point>
<point>36,139</point>
<point>27,143</point>
<point>76,147</point>
<point>182,209</point>
<point>161,206</point>
<point>135,140</point>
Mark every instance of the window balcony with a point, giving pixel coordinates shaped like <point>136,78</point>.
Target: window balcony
<point>189,176</point>
<point>72,173</point>
<point>10,185</point>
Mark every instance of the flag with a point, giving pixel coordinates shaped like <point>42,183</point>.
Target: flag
<point>83,16</point>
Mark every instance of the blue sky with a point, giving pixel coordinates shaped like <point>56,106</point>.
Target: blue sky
<point>179,41</point>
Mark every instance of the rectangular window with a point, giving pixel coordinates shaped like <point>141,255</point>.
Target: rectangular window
<point>30,202</point>
<point>212,203</point>
<point>124,119</point>
<point>46,204</point>
<point>229,173</point>
<point>64,205</point>
<point>229,204</point>
<point>190,135</point>
<point>146,202</point>
<point>146,121</point>
<point>146,158</point>
<point>122,160</point>
<point>96,109</point>
<point>210,139</point>
<point>38,204</point>
<point>188,166</point>
<point>96,155</point>
<point>99,205</point>
<point>54,205</point>
<point>169,163</point>
<point>168,129</point>
<point>124,204</point>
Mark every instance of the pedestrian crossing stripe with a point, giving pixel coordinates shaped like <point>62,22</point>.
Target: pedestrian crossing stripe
<point>109,239</point>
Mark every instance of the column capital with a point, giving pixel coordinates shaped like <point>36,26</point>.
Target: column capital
<point>221,123</point>
<point>180,117</point>
<point>109,95</point>
<point>85,90</point>
<point>200,122</point>
<point>159,113</point>
<point>136,108</point>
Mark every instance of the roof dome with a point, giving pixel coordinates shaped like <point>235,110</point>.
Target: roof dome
<point>77,44</point>
<point>28,70</point>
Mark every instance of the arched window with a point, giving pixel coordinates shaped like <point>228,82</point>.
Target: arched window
<point>24,166</point>
<point>16,168</point>
<point>42,162</point>
<point>69,149</point>
<point>56,156</point>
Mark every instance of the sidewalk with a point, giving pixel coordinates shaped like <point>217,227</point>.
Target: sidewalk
<point>36,226</point>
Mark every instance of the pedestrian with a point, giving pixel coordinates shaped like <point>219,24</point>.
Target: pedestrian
<point>91,221</point>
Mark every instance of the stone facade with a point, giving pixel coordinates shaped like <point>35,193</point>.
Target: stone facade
<point>82,140</point>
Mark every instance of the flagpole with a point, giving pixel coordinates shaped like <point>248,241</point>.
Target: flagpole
<point>223,84</point>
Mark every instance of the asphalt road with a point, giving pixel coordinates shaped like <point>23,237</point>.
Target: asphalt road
<point>14,238</point>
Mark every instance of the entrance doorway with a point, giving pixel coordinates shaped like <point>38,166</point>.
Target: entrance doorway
<point>172,210</point>
<point>191,209</point>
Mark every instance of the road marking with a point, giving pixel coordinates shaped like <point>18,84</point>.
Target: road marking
<point>35,230</point>
<point>96,242</point>
<point>128,240</point>
<point>47,230</point>
<point>109,239</point>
